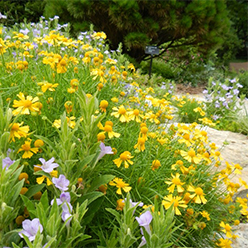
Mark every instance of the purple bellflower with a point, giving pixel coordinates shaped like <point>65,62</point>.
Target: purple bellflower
<point>30,228</point>
<point>105,150</point>
<point>7,162</point>
<point>145,220</point>
<point>61,183</point>
<point>47,166</point>
<point>64,197</point>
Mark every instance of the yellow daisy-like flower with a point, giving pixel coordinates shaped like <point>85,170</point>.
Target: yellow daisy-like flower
<point>227,229</point>
<point>103,105</point>
<point>122,113</point>
<point>155,164</point>
<point>28,151</point>
<point>25,105</point>
<point>41,179</point>
<point>198,195</point>
<point>108,128</point>
<point>98,35</point>
<point>118,182</point>
<point>225,243</point>
<point>124,157</point>
<point>135,115</point>
<point>141,144</point>
<point>120,204</point>
<point>70,122</point>
<point>175,182</point>
<point>186,140</point>
<point>47,86</point>
<point>205,214</point>
<point>17,131</point>
<point>176,201</point>
<point>191,156</point>
<point>207,121</point>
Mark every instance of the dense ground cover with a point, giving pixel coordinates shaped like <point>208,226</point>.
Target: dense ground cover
<point>91,158</point>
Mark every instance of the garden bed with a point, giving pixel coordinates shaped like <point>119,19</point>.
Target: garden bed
<point>86,160</point>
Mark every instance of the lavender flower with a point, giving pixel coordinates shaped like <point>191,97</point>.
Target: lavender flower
<point>66,214</point>
<point>235,91</point>
<point>47,166</point>
<point>232,80</point>
<point>61,183</point>
<point>144,220</point>
<point>30,228</point>
<point>64,197</point>
<point>7,162</point>
<point>239,85</point>
<point>217,104</point>
<point>105,150</point>
<point>225,87</point>
<point>24,31</point>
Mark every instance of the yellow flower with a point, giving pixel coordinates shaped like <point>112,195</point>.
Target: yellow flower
<point>141,144</point>
<point>38,143</point>
<point>74,84</point>
<point>28,151</point>
<point>108,128</point>
<point>25,176</point>
<point>237,169</point>
<point>118,182</point>
<point>186,140</point>
<point>25,105</point>
<point>207,121</point>
<point>61,66</point>
<point>47,86</point>
<point>175,182</point>
<point>103,105</point>
<point>124,157</point>
<point>99,35</point>
<point>202,113</point>
<point>191,156</point>
<point>68,106</point>
<point>114,99</point>
<point>227,229</point>
<point>202,225</point>
<point>135,115</point>
<point>40,180</point>
<point>16,131</point>
<point>175,201</point>
<point>70,122</point>
<point>122,113</point>
<point>120,204</point>
<point>198,195</point>
<point>205,214</point>
<point>155,164</point>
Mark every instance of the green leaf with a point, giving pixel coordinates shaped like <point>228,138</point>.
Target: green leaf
<point>44,200</point>
<point>92,196</point>
<point>15,192</point>
<point>29,205</point>
<point>34,189</point>
<point>115,213</point>
<point>101,180</point>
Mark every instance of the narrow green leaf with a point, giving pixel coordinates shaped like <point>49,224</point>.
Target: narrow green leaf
<point>34,189</point>
<point>101,180</point>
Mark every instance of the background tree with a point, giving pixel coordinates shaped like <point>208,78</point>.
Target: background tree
<point>137,23</point>
<point>18,10</point>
